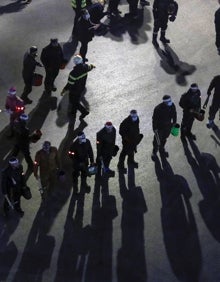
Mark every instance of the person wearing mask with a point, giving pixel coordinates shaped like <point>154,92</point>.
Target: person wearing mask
<point>131,137</point>
<point>12,181</point>
<point>76,85</point>
<point>105,143</point>
<point>164,117</point>
<point>52,59</point>
<point>29,66</point>
<point>46,167</point>
<point>190,102</point>
<point>14,106</point>
<point>81,154</point>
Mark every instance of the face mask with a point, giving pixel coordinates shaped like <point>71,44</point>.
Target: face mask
<point>86,16</point>
<point>134,117</point>
<point>169,104</point>
<point>46,147</point>
<point>109,128</point>
<point>82,139</point>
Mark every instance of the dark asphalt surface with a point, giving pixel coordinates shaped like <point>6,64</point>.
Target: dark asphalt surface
<point>157,223</point>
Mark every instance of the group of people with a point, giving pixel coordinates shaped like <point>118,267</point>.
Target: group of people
<point>46,165</point>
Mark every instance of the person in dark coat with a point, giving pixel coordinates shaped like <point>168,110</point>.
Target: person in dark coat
<point>163,10</point>
<point>131,137</point>
<point>164,117</point>
<point>76,85</point>
<point>86,26</point>
<point>81,154</point>
<point>105,143</point>
<point>12,182</point>
<point>29,65</point>
<point>190,102</point>
<point>22,139</point>
<point>217,29</point>
<point>215,106</point>
<point>52,59</point>
<point>78,6</point>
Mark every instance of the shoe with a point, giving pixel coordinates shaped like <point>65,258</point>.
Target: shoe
<point>210,124</point>
<point>164,40</point>
<point>164,153</point>
<point>144,3</point>
<point>27,101</point>
<point>82,116</point>
<point>54,88</point>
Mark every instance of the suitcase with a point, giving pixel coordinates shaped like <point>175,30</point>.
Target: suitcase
<point>37,79</point>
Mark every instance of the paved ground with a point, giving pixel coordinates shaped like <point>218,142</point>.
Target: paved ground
<point>142,226</point>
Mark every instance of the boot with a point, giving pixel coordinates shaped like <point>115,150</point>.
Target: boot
<point>163,38</point>
<point>154,40</point>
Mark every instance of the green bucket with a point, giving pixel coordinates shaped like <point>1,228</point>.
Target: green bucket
<point>175,130</point>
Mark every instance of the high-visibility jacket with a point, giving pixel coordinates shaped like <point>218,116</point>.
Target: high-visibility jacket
<point>78,4</point>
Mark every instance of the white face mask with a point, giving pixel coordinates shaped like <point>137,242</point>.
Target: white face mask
<point>169,104</point>
<point>82,139</point>
<point>134,117</point>
<point>86,16</point>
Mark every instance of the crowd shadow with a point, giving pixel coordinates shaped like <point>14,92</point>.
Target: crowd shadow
<point>8,249</point>
<point>171,64</point>
<point>131,261</point>
<point>178,223</point>
<point>136,29</point>
<point>206,171</point>
<point>12,7</point>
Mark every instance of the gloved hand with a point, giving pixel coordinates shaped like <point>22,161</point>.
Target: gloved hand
<point>172,18</point>
<point>92,66</point>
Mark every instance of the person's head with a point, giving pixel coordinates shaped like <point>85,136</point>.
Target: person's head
<point>134,115</point>
<point>81,137</point>
<point>77,59</point>
<point>46,146</point>
<point>85,14</point>
<point>108,126</point>
<point>54,42</point>
<point>33,51</point>
<point>194,87</point>
<point>23,117</point>
<point>167,100</point>
<point>14,162</point>
<point>12,91</point>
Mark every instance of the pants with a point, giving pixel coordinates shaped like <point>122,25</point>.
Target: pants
<point>48,180</point>
<point>113,5</point>
<point>160,23</point>
<point>217,40</point>
<point>213,110</point>
<point>28,87</point>
<point>106,158</point>
<point>133,7</point>
<point>14,196</point>
<point>26,152</point>
<point>127,150</point>
<point>79,169</point>
<point>83,49</point>
<point>51,74</point>
<point>187,122</point>
<point>74,100</point>
<point>163,134</point>
<point>78,13</point>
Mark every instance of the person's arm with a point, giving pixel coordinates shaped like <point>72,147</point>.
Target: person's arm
<point>90,153</point>
<point>36,165</point>
<point>211,86</point>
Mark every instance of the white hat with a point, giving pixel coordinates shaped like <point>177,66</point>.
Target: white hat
<point>77,59</point>
<point>12,91</point>
<point>23,117</point>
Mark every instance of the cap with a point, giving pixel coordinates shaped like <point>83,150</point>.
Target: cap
<point>46,143</point>
<point>133,112</point>
<point>108,123</point>
<point>54,40</point>
<point>77,59</point>
<point>166,98</point>
<point>80,133</point>
<point>23,117</point>
<point>194,86</point>
<point>12,90</point>
<point>13,161</point>
<point>33,49</point>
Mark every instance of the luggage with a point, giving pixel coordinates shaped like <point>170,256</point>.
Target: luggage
<point>37,79</point>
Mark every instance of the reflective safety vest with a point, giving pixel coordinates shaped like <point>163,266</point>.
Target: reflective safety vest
<point>72,79</point>
<point>74,4</point>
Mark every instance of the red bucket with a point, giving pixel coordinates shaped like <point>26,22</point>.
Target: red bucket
<point>37,79</point>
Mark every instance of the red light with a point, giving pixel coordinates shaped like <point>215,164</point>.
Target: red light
<point>71,153</point>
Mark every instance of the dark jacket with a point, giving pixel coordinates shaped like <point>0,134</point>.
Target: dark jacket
<point>52,56</point>
<point>12,178</point>
<point>161,9</point>
<point>129,131</point>
<point>80,153</point>
<point>105,142</point>
<point>217,21</point>
<point>215,84</point>
<point>77,78</point>
<point>191,101</point>
<point>22,134</point>
<point>29,65</point>
<point>163,116</point>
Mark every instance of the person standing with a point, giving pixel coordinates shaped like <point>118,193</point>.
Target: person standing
<point>81,154</point>
<point>217,29</point>
<point>105,143</point>
<point>163,10</point>
<point>215,106</point>
<point>23,139</point>
<point>12,182</point>
<point>131,137</point>
<point>76,85</point>
<point>14,105</point>
<point>29,65</point>
<point>190,102</point>
<point>52,58</point>
<point>164,117</point>
<point>48,164</point>
<point>78,6</point>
